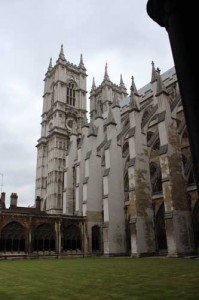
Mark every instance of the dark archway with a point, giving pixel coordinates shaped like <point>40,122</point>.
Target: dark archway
<point>161,241</point>
<point>195,220</point>
<point>43,238</point>
<point>96,239</point>
<point>71,238</point>
<point>12,238</point>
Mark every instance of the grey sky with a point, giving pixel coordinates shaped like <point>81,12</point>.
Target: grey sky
<point>31,31</point>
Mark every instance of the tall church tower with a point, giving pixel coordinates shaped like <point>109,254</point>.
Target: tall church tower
<point>64,108</point>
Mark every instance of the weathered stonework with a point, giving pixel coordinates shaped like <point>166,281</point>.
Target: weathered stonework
<point>121,185</point>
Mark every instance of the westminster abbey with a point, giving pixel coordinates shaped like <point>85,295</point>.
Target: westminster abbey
<point>120,184</point>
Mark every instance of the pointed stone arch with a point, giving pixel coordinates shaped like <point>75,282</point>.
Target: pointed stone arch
<point>160,231</point>
<point>43,238</point>
<point>71,238</point>
<point>147,115</point>
<point>96,238</point>
<point>12,238</point>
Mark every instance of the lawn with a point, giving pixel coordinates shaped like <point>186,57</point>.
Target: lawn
<point>99,278</point>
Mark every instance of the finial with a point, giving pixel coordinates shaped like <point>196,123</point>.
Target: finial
<point>133,87</point>
<point>50,65</point>
<point>106,77</point>
<point>93,85</point>
<point>153,73</point>
<point>122,86</point>
<point>81,63</point>
<point>134,94</point>
<point>61,54</point>
<point>121,80</point>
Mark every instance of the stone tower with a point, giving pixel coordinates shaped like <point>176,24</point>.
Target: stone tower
<point>64,108</point>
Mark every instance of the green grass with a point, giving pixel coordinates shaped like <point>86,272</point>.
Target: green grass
<point>100,278</point>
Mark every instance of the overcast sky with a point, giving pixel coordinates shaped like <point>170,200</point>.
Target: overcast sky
<point>31,31</point>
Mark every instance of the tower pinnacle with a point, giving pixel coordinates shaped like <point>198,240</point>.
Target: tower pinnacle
<point>50,65</point>
<point>61,54</point>
<point>81,63</point>
<point>93,85</point>
<point>106,77</point>
<point>133,96</point>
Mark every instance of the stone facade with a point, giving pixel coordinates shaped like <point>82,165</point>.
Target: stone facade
<point>122,184</point>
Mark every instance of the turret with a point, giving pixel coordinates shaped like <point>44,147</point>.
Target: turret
<point>106,77</point>
<point>81,63</point>
<point>134,105</point>
<point>61,57</point>
<point>122,86</point>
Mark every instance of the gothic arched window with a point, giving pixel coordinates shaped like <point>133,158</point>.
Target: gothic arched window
<point>70,94</point>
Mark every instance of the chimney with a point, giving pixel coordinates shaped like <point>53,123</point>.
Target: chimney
<point>3,198</point>
<point>13,200</point>
<point>38,203</point>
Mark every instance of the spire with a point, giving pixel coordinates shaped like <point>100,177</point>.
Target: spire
<point>61,54</point>
<point>106,77</point>
<point>110,118</point>
<point>121,81</point>
<point>81,63</point>
<point>160,85</point>
<point>92,129</point>
<point>134,94</point>
<point>115,101</point>
<point>50,65</point>
<point>93,85</point>
<point>154,73</point>
<point>133,87</point>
